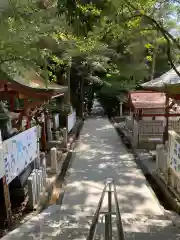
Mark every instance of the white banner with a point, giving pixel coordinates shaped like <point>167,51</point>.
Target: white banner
<point>71,120</point>
<point>19,151</point>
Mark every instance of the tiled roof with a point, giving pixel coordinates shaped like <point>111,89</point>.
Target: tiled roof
<point>169,77</point>
<point>16,73</point>
<point>147,99</point>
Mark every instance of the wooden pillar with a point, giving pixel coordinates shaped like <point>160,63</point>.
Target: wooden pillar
<point>140,114</point>
<point>81,97</point>
<point>165,134</point>
<point>120,109</point>
<point>7,95</point>
<point>48,128</point>
<point>69,82</point>
<point>12,100</point>
<point>26,106</point>
<point>43,134</point>
<point>66,98</point>
<point>7,202</point>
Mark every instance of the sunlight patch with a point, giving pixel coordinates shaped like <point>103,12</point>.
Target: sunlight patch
<point>127,156</point>
<point>102,165</point>
<point>106,157</point>
<point>83,147</point>
<point>109,126</point>
<point>86,135</point>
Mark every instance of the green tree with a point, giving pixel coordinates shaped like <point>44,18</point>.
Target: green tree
<point>23,25</point>
<point>92,39</point>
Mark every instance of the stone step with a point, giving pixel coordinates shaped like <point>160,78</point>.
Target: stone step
<point>147,228</point>
<point>124,216</point>
<point>135,226</point>
<point>54,223</point>
<point>134,229</point>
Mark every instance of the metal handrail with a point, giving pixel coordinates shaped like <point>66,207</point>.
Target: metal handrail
<point>108,215</point>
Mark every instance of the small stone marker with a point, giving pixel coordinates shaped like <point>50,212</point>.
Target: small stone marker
<point>53,155</point>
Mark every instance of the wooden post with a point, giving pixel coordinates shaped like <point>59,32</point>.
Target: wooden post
<point>165,135</point>
<point>65,136</point>
<point>26,106</point>
<point>7,202</point>
<point>140,114</point>
<point>43,134</point>
<point>81,97</point>
<point>48,127</point>
<point>12,99</point>
<point>69,82</point>
<point>120,109</point>
<point>54,160</point>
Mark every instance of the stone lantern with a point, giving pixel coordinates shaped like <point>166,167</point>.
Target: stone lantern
<point>5,122</point>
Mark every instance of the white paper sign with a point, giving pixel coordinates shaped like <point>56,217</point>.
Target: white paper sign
<point>71,120</point>
<point>2,169</point>
<point>56,121</point>
<point>19,151</point>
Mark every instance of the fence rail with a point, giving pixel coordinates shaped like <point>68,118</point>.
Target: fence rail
<point>110,189</point>
<point>143,130</point>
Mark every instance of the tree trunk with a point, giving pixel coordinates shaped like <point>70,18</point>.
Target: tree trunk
<point>154,60</point>
<point>81,98</point>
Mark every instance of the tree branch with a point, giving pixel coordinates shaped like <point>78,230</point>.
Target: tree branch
<point>167,36</point>
<point>165,33</point>
<point>138,13</point>
<point>169,56</point>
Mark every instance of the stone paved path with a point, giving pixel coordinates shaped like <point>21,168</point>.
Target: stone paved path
<point>100,154</point>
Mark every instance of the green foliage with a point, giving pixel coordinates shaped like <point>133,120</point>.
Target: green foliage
<point>23,25</point>
<point>81,16</point>
<point>115,44</point>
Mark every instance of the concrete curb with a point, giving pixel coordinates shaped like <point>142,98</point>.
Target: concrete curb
<point>47,193</point>
<point>174,217</point>
<point>173,214</point>
<point>170,215</point>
